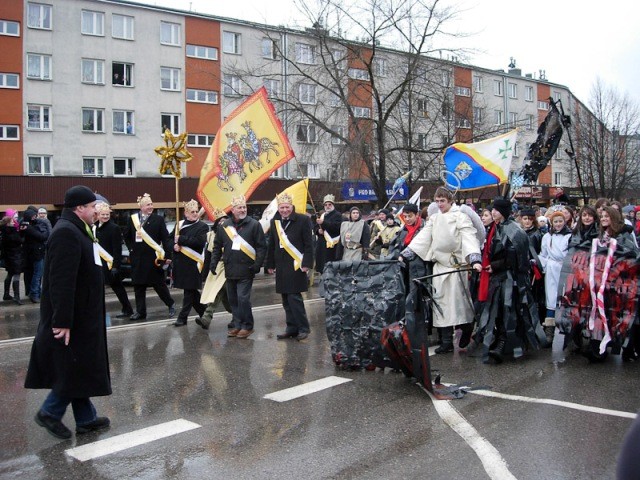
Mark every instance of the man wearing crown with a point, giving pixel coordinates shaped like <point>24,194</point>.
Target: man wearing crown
<point>290,256</point>
<point>240,244</point>
<point>327,229</point>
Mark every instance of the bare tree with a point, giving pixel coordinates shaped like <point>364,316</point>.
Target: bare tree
<point>367,76</point>
<point>608,142</point>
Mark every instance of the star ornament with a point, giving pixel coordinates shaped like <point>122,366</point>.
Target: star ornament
<point>173,153</point>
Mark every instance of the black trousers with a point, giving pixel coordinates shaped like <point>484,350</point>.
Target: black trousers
<point>191,299</point>
<point>296,315</point>
<point>141,296</point>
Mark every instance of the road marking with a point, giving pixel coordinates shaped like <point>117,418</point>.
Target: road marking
<point>129,440</point>
<point>558,403</point>
<point>305,389</point>
<point>493,463</point>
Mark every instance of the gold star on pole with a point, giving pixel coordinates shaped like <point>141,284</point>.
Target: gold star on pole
<point>173,153</point>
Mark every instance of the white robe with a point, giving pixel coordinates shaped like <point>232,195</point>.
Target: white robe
<point>447,238</point>
<point>552,252</point>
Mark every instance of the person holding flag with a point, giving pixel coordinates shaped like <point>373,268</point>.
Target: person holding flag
<point>240,244</point>
<point>290,256</point>
<point>190,236</point>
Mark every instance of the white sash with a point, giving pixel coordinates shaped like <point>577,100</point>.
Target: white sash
<point>147,238</point>
<point>288,246</point>
<point>239,243</point>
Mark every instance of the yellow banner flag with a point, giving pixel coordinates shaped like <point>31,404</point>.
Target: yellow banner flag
<point>299,193</point>
<point>248,148</point>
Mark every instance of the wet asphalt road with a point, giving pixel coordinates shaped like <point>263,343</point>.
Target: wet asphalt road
<point>377,425</point>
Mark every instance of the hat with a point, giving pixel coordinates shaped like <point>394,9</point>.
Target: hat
<point>503,206</point>
<point>410,207</point>
<point>527,212</point>
<point>78,195</point>
<point>10,212</point>
<point>390,216</point>
<point>239,201</point>
<point>557,213</point>
<point>144,199</point>
<point>354,208</point>
<point>284,197</point>
<point>42,210</point>
<point>329,198</point>
<point>542,218</point>
<point>385,211</point>
<point>28,215</point>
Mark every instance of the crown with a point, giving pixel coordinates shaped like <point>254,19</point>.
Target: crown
<point>239,201</point>
<point>284,197</point>
<point>218,213</point>
<point>191,205</point>
<point>144,199</point>
<point>329,198</point>
<point>103,207</point>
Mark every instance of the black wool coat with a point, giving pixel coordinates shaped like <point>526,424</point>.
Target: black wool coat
<point>110,238</point>
<point>12,252</point>
<point>72,297</point>
<point>237,264</point>
<point>299,233</point>
<point>143,269</point>
<point>331,224</point>
<point>185,270</point>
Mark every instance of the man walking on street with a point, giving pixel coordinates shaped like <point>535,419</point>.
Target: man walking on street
<point>151,249</point>
<point>240,244</point>
<point>290,256</point>
<point>69,352</point>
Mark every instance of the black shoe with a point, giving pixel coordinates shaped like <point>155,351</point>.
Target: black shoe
<point>18,301</point>
<point>230,326</point>
<point>53,426</point>
<point>444,348</point>
<point>497,352</point>
<point>136,316</point>
<point>7,297</point>
<point>100,423</point>
<point>34,299</point>
<point>201,323</point>
<point>465,338</point>
<point>172,311</point>
<point>284,336</point>
<point>124,315</point>
<point>302,336</point>
<point>178,323</point>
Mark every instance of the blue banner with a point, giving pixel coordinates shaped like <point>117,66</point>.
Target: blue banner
<point>364,191</point>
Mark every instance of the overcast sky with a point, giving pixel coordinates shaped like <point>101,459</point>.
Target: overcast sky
<point>574,42</point>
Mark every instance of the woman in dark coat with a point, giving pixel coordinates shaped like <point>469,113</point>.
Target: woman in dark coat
<point>188,261</point>
<point>12,240</point>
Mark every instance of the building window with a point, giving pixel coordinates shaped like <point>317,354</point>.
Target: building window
<point>92,23</point>
<point>361,112</point>
<point>513,119</point>
<point>39,117</point>
<point>446,109</point>
<point>39,16</point>
<point>122,74</point>
<point>170,79</point>
<point>463,91</point>
<point>9,132</point>
<point>9,80</point>
<point>557,178</point>
<point>93,120</point>
<point>92,166</point>
<point>38,66</point>
<point>170,33</point>
<point>515,150</point>
<point>334,100</point>
<point>497,88</point>
<point>380,67</point>
<point>358,74</point>
<point>272,86</point>
<point>478,114</point>
<point>123,167</point>
<point>171,121</point>
<point>199,51</point>
<point>232,85</point>
<point>269,48</point>
<point>462,122</point>
<point>498,117</point>
<point>307,94</point>
<point>92,71</point>
<point>446,79</point>
<point>337,139</point>
<point>123,122</point>
<point>338,58</point>
<point>477,83</point>
<point>39,165</point>
<point>305,53</point>
<point>422,141</point>
<point>528,93</point>
<point>231,43</point>
<point>530,122</point>
<point>122,26</point>
<point>196,140</point>
<point>306,133</point>
<point>202,96</point>
<point>310,170</point>
<point>556,96</point>
<point>7,27</point>
<point>543,105</point>
<point>422,106</point>
<point>513,90</point>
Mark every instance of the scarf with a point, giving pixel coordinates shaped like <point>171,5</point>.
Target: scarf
<point>483,289</point>
<point>411,231</point>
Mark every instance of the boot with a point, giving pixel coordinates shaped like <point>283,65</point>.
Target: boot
<point>497,352</point>
<point>549,327</point>
<point>446,334</point>
<point>465,338</point>
<point>16,292</point>
<point>7,287</point>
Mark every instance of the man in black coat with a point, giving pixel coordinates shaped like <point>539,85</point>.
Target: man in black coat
<point>188,261</point>
<point>110,238</point>
<point>290,256</point>
<point>69,352</point>
<point>36,234</point>
<point>240,244</point>
<point>327,229</point>
<point>151,248</point>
